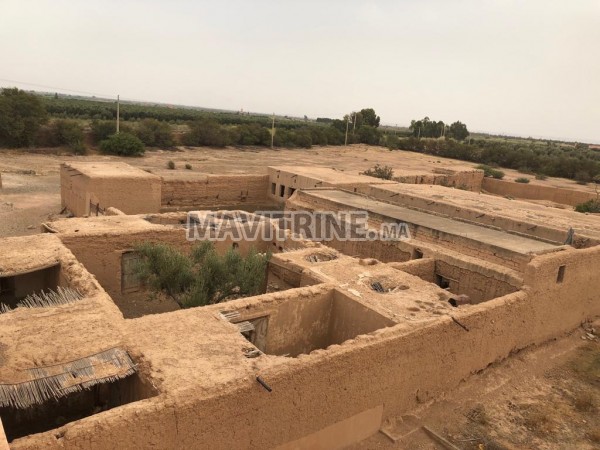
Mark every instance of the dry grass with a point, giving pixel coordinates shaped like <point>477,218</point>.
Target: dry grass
<point>538,417</point>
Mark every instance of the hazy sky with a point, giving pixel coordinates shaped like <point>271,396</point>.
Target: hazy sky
<point>528,67</point>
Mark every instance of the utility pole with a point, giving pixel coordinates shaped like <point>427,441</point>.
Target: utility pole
<point>272,130</point>
<point>347,122</point>
<point>118,99</point>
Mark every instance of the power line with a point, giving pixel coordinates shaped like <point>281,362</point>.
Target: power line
<point>54,88</point>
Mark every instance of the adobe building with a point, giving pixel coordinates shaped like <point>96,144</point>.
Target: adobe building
<point>90,188</point>
<point>346,336</point>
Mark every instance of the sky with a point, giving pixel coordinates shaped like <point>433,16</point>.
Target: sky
<point>528,68</point>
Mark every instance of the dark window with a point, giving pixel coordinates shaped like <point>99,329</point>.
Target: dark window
<point>282,190</point>
<point>561,274</point>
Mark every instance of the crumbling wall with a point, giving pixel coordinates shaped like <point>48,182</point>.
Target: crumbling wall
<point>74,191</point>
<point>422,268</point>
<point>474,281</point>
<point>536,192</point>
<point>384,251</point>
<point>453,242</point>
<point>215,192</point>
<point>397,368</point>
<point>468,180</point>
<point>102,255</point>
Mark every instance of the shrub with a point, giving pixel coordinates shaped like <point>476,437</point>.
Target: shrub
<point>171,165</point>
<point>204,277</point>
<point>154,133</point>
<point>522,180</point>
<point>122,144</point>
<point>102,129</point>
<point>188,166</point>
<point>69,133</point>
<point>383,172</point>
<point>489,171</point>
<point>62,132</point>
<point>582,177</point>
<point>591,206</point>
<point>540,176</point>
<point>206,132</point>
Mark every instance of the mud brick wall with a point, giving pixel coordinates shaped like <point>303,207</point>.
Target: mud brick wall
<point>536,192</point>
<point>213,191</point>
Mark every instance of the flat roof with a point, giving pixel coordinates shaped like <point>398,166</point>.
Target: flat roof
<point>331,176</point>
<point>110,169</point>
<point>25,254</point>
<point>491,205</point>
<point>501,239</point>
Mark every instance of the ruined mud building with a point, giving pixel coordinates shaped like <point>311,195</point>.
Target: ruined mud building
<point>357,333</point>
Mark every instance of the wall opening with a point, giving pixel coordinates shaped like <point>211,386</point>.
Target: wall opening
<point>75,406</point>
<point>282,190</point>
<point>442,281</point>
<point>15,288</point>
<point>273,188</point>
<point>291,190</point>
<point>561,274</point>
<point>417,254</point>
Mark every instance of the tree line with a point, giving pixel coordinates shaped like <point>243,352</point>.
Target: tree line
<point>28,120</point>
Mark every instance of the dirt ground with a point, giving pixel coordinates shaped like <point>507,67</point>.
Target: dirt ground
<point>545,397</point>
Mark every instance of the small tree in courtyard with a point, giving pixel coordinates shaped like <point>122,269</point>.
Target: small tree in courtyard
<point>204,277</point>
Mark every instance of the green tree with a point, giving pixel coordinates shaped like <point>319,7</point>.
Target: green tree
<point>21,115</point>
<point>458,131</point>
<point>368,135</point>
<point>69,133</point>
<point>204,277</point>
<point>154,133</point>
<point>207,132</point>
<point>122,144</point>
<point>368,117</point>
<point>102,129</point>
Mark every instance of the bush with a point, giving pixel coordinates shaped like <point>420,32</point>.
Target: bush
<point>583,177</point>
<point>171,165</point>
<point>392,142</point>
<point>62,132</point>
<point>591,206</point>
<point>491,172</point>
<point>206,132</point>
<point>154,133</point>
<point>204,277</point>
<point>102,129</point>
<point>383,172</point>
<point>540,176</point>
<point>188,166</point>
<point>122,144</point>
<point>522,180</point>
